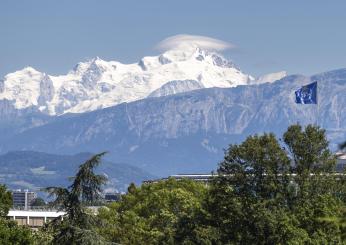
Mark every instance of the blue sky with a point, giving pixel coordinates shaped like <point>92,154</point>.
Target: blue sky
<point>52,36</point>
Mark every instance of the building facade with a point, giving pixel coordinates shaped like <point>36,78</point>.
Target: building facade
<point>23,198</point>
<point>34,218</point>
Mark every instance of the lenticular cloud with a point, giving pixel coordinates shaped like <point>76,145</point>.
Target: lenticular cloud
<point>181,41</point>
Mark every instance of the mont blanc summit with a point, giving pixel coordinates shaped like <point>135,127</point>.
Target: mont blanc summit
<point>96,83</point>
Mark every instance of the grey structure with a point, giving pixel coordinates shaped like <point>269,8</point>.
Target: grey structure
<point>196,177</point>
<point>23,198</point>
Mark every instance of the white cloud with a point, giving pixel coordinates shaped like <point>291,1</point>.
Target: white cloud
<point>183,40</point>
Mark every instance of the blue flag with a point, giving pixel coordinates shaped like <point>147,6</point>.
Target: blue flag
<point>307,94</point>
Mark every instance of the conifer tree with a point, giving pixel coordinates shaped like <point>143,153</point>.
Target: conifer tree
<point>77,226</point>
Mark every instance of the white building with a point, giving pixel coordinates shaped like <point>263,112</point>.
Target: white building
<point>34,218</point>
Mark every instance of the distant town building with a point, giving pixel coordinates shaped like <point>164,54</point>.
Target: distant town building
<point>205,178</point>
<point>34,218</point>
<point>23,198</point>
<point>196,177</point>
<point>112,197</point>
<point>341,161</point>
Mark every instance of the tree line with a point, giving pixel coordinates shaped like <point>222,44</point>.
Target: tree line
<point>265,191</point>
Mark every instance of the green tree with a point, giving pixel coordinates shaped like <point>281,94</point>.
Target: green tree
<point>5,201</point>
<point>311,157</point>
<point>153,213</point>
<point>38,202</point>
<point>308,148</point>
<point>78,224</point>
<point>319,190</point>
<point>10,232</point>
<point>248,200</point>
<point>270,193</point>
<point>266,192</point>
<point>258,168</point>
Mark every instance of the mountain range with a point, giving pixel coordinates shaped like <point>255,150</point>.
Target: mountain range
<point>168,114</point>
<point>35,170</point>
<point>96,84</point>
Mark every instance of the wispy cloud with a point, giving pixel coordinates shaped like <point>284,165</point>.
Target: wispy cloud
<point>184,40</point>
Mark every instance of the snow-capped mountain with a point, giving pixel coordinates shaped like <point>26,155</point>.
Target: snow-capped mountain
<point>187,132</point>
<point>96,83</point>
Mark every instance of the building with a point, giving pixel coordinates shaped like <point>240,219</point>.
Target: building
<point>23,198</point>
<point>112,197</point>
<point>39,217</point>
<point>33,218</point>
<point>205,178</point>
<point>341,161</point>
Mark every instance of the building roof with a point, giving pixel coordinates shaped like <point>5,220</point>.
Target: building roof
<point>35,213</point>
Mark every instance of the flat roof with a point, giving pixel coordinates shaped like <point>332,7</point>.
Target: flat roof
<point>35,213</point>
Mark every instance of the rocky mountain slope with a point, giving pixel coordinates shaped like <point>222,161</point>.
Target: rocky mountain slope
<point>187,132</point>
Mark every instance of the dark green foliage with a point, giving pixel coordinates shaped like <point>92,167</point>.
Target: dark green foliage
<point>153,213</point>
<point>11,233</point>
<point>308,149</point>
<point>248,202</point>
<point>320,193</point>
<point>38,202</point>
<point>78,224</point>
<point>267,195</point>
<point>258,168</point>
<point>5,201</point>
<point>266,192</point>
<point>310,155</point>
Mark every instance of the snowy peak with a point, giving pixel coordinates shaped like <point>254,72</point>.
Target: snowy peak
<point>196,53</point>
<point>26,71</point>
<point>271,77</point>
<point>94,64</point>
<point>22,87</point>
<point>24,76</point>
<point>178,55</point>
<point>97,83</point>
